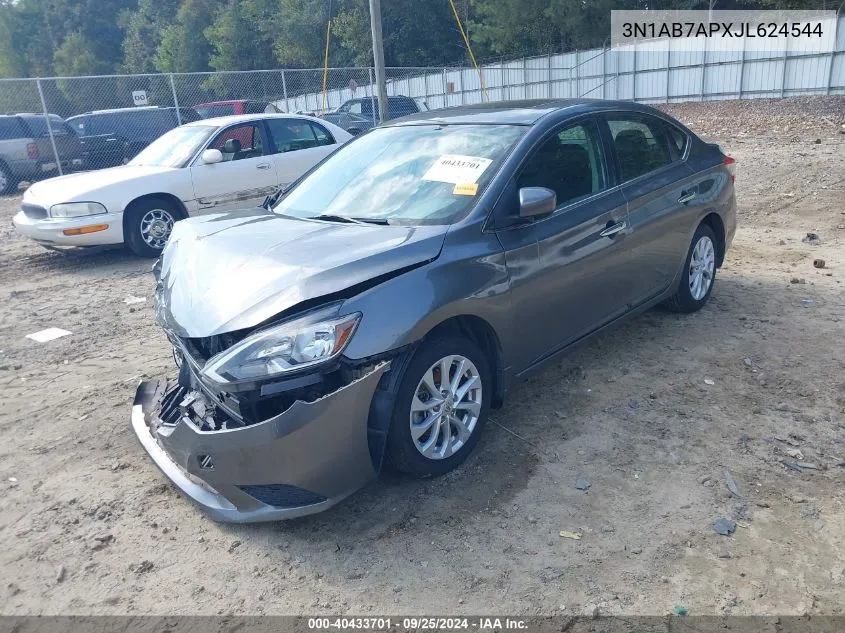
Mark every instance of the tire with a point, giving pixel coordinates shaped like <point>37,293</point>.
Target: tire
<point>691,297</point>
<point>147,225</point>
<point>8,183</point>
<point>402,449</point>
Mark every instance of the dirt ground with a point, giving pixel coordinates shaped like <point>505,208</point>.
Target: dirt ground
<point>652,415</point>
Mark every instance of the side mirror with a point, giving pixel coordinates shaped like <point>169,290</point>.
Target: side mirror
<point>536,201</point>
<point>211,156</point>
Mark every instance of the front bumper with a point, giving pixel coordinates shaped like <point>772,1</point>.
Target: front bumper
<point>51,230</point>
<point>302,461</point>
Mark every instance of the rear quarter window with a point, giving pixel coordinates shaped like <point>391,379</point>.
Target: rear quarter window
<point>678,138</point>
<point>10,128</point>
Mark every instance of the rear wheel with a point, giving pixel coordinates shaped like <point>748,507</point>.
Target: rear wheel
<point>7,182</point>
<point>148,225</point>
<point>698,275</point>
<point>441,407</point>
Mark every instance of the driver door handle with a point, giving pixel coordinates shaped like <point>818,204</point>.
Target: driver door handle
<point>613,229</point>
<point>686,196</point>
<point>263,166</point>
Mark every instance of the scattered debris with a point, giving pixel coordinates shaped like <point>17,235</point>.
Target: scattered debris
<point>731,484</point>
<point>132,299</point>
<point>582,484</point>
<point>748,362</point>
<point>798,467</point>
<point>818,263</point>
<point>591,611</point>
<point>13,480</point>
<point>725,527</point>
<point>709,381</point>
<point>144,567</point>
<point>576,536</point>
<point>235,545</point>
<point>101,542</point>
<point>680,610</point>
<point>60,573</point>
<point>51,333</point>
<point>795,280</point>
<point>794,453</point>
<point>807,301</point>
<point>812,238</point>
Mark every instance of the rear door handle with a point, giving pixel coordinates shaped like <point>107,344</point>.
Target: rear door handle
<point>686,196</point>
<point>613,229</point>
<point>263,165</point>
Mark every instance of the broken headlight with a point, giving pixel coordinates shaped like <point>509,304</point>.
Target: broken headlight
<point>283,348</point>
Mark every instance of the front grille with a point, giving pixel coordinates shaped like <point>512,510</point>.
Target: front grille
<point>34,211</point>
<point>283,496</point>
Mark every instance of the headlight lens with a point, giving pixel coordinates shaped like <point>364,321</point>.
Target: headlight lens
<point>76,209</point>
<point>300,343</point>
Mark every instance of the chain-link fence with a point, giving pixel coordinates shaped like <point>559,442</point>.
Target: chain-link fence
<point>103,121</point>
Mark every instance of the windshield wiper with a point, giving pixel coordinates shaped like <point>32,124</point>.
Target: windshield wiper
<point>328,217</point>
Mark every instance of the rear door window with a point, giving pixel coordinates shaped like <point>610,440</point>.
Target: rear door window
<point>640,143</point>
<point>678,139</point>
<point>290,135</point>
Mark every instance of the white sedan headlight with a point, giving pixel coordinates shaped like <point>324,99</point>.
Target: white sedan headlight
<point>284,348</point>
<point>76,209</point>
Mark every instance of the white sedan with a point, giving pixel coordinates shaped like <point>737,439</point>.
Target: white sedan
<point>211,165</point>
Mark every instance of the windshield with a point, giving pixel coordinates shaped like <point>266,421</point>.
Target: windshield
<point>422,174</point>
<point>175,148</point>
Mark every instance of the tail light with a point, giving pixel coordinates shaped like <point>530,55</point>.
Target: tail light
<point>31,150</point>
<point>730,163</point>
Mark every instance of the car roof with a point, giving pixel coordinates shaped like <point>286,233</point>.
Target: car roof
<point>526,112</point>
<point>229,102</point>
<point>127,110</point>
<point>244,118</point>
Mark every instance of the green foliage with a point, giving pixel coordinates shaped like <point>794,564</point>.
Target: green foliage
<point>73,37</point>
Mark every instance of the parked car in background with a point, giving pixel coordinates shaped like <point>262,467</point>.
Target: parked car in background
<point>234,106</point>
<point>114,137</point>
<point>357,115</point>
<point>395,294</point>
<point>206,166</point>
<point>26,152</point>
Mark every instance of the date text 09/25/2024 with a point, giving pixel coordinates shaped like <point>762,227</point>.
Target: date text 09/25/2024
<point>416,623</point>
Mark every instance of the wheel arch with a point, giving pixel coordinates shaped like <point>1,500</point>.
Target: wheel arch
<point>168,197</point>
<point>714,221</point>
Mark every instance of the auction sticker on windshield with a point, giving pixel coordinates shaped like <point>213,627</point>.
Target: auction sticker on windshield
<point>457,169</point>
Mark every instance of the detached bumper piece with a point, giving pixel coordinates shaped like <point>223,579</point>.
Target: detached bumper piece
<point>299,462</point>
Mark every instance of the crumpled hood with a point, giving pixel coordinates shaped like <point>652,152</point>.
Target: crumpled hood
<point>230,271</point>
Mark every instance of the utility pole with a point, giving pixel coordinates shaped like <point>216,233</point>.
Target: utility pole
<point>378,58</point>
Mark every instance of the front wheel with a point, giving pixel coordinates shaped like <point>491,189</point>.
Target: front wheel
<point>698,275</point>
<point>441,407</point>
<point>148,225</point>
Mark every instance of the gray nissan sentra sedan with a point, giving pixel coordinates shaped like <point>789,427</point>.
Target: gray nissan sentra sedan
<point>379,308</point>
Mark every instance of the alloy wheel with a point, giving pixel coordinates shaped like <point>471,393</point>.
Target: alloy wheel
<point>156,225</point>
<point>446,407</point>
<point>702,266</point>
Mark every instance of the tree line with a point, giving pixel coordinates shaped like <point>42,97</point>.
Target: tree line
<point>95,37</point>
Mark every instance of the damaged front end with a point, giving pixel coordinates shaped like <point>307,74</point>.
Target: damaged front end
<point>267,423</point>
<point>301,460</point>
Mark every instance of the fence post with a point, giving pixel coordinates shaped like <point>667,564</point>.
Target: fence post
<point>742,66</point>
<point>634,75</point>
<point>49,127</point>
<point>502,64</point>
<point>285,92</point>
<point>703,69</point>
<point>604,55</point>
<point>668,69</point>
<point>577,75</point>
<point>175,99</point>
<point>783,75</point>
<point>525,79</point>
<point>832,54</point>
<point>373,97</point>
<point>550,75</point>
